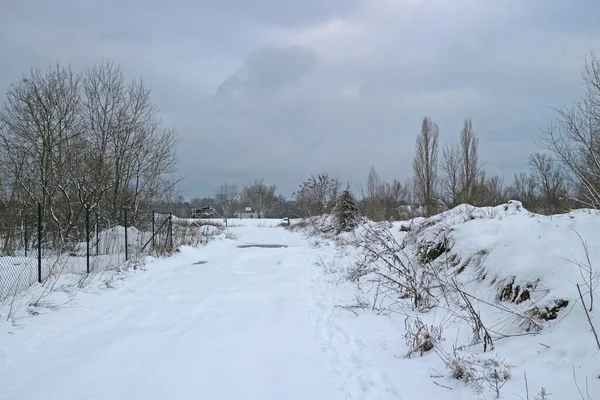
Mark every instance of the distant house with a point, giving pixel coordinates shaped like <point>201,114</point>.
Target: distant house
<point>248,213</point>
<point>202,212</point>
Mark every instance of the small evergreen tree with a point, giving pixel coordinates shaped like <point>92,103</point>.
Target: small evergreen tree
<point>347,213</point>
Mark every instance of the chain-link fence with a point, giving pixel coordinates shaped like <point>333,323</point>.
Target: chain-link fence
<point>32,248</point>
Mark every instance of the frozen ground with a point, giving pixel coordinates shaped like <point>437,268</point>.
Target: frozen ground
<point>265,323</point>
<point>247,324</point>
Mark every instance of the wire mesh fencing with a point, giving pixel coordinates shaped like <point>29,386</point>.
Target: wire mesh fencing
<point>32,249</point>
<point>18,259</point>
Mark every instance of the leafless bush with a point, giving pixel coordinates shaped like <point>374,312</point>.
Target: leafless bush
<point>357,270</point>
<point>496,374</point>
<point>189,235</point>
<point>12,309</point>
<point>230,236</point>
<point>360,303</point>
<point>460,304</point>
<point>408,279</point>
<point>463,369</point>
<point>109,278</point>
<point>480,332</point>
<point>419,337</point>
<point>589,273</point>
<point>543,394</point>
<point>55,273</point>
<point>327,267</point>
<point>86,279</point>
<point>477,373</point>
<point>300,225</point>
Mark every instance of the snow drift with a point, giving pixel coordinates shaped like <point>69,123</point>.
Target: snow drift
<point>488,295</point>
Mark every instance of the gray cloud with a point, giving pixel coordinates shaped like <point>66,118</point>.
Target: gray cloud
<point>268,68</point>
<point>280,89</point>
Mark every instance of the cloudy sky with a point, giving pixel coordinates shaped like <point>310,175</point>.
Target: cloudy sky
<point>281,89</point>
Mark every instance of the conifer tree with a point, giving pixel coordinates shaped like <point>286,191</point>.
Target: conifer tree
<point>347,213</point>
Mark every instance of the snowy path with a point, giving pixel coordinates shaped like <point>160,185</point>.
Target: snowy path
<point>251,323</point>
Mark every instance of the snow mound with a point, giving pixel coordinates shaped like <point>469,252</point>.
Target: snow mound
<point>523,257</point>
<point>466,212</point>
<point>518,271</point>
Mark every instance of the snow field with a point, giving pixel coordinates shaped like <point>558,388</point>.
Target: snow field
<point>237,327</point>
<point>224,322</point>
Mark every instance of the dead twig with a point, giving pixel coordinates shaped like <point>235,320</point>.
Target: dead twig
<point>444,386</point>
<point>588,316</point>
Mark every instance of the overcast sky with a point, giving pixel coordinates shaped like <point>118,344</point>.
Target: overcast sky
<point>281,89</point>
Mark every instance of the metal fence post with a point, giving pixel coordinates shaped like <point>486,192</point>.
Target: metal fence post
<point>153,229</point>
<point>97,234</point>
<point>126,253</point>
<point>171,230</point>
<point>39,243</point>
<point>25,239</point>
<point>87,238</point>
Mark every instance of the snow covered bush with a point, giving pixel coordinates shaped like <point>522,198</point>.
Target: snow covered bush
<point>463,369</point>
<point>346,212</point>
<point>478,374</point>
<point>419,337</point>
<point>400,275</point>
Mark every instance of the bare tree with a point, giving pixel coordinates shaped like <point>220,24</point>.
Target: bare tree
<point>524,188</point>
<point>228,196</point>
<point>41,135</point>
<point>285,208</point>
<point>317,195</point>
<point>470,167</point>
<point>197,202</point>
<point>141,153</point>
<point>260,196</point>
<point>382,199</point>
<point>425,165</point>
<point>550,180</point>
<point>373,183</point>
<point>575,138</point>
<point>373,199</point>
<point>104,108</point>
<point>489,191</point>
<point>451,173</point>
<point>132,157</point>
<point>71,140</point>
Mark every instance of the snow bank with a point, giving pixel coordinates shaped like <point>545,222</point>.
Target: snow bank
<point>532,251</point>
<point>518,271</point>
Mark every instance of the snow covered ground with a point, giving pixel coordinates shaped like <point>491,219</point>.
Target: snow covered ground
<point>231,320</point>
<point>239,326</point>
